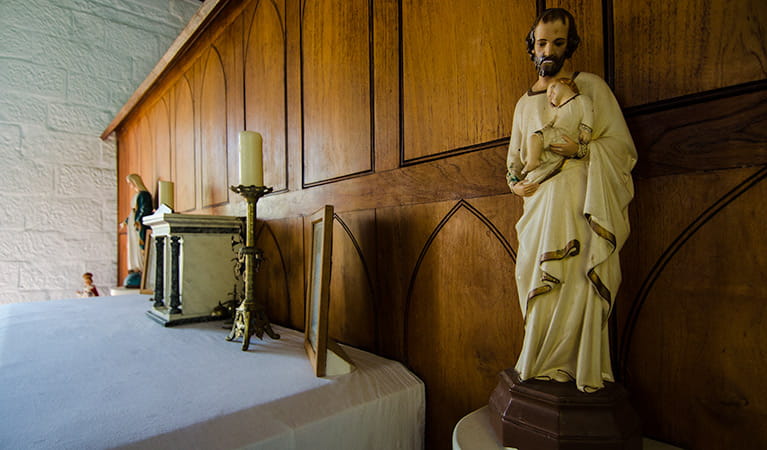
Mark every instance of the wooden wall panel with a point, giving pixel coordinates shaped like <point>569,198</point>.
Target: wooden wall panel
<point>184,152</point>
<point>229,44</point>
<point>266,89</point>
<point>353,300</point>
<point>463,320</point>
<point>694,339</point>
<point>666,50</point>
<point>448,305</point>
<point>402,233</point>
<point>144,140</point>
<point>281,278</point>
<point>386,79</point>
<point>589,18</point>
<point>461,73</point>
<point>213,128</point>
<point>160,121</point>
<point>720,132</point>
<point>336,89</point>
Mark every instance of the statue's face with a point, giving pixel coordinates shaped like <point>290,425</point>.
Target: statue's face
<point>549,47</point>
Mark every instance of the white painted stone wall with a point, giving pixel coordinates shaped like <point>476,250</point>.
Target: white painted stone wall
<point>66,68</point>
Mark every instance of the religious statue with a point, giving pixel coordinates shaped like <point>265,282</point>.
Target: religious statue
<point>572,115</point>
<point>141,206</point>
<point>575,218</point>
<point>89,289</point>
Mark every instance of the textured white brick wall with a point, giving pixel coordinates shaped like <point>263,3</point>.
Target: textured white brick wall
<point>66,68</point>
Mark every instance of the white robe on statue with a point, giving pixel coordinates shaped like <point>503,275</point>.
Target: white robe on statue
<point>570,233</point>
<point>135,252</point>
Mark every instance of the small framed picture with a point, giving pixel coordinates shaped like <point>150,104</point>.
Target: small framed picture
<point>328,358</point>
<point>318,294</point>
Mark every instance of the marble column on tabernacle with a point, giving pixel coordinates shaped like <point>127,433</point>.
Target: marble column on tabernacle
<point>159,242</point>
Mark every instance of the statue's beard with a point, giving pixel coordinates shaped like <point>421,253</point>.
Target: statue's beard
<point>548,66</point>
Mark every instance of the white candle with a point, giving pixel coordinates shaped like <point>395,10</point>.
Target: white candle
<point>166,193</point>
<point>251,159</point>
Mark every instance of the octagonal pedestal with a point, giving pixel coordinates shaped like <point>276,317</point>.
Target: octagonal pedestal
<point>548,415</point>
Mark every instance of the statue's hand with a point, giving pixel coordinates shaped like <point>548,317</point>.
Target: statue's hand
<point>524,188</point>
<point>568,149</point>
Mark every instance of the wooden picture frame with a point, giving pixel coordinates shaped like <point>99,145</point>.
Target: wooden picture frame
<point>318,293</point>
<point>327,357</point>
<point>148,274</point>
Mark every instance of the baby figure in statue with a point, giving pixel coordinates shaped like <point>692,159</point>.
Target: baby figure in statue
<point>572,115</point>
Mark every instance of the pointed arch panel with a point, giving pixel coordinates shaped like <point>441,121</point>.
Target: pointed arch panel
<point>185,155</point>
<point>213,132</point>
<point>265,89</point>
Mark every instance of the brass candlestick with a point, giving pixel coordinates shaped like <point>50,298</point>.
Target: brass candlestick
<point>250,317</point>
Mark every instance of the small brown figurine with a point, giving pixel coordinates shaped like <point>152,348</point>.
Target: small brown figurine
<point>89,289</point>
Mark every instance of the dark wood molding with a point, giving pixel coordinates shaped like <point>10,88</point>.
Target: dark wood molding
<point>476,174</point>
<point>696,99</point>
<point>453,152</point>
<point>715,130</point>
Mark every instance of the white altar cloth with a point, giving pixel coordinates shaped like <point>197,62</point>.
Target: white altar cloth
<point>97,373</point>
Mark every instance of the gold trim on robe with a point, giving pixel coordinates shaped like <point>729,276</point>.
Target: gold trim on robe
<point>572,248</point>
<point>601,231</point>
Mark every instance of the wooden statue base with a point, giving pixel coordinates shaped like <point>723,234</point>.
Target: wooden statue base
<point>548,415</point>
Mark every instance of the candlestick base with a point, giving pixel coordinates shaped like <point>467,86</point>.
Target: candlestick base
<point>250,320</point>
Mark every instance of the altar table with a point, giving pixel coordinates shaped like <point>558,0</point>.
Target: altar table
<point>96,373</point>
